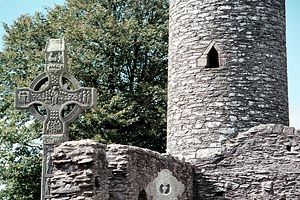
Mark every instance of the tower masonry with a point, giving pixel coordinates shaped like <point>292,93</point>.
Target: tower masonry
<point>227,72</point>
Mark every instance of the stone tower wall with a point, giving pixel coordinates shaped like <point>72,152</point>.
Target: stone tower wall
<point>208,105</point>
<point>262,163</point>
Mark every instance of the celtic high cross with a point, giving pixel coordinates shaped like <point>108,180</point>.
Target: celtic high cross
<point>57,99</point>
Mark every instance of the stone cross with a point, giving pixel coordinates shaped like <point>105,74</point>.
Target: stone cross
<point>57,99</point>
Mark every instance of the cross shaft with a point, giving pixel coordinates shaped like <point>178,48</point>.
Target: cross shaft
<point>57,99</point>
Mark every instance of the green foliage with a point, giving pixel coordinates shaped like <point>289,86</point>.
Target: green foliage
<point>20,171</point>
<point>116,46</point>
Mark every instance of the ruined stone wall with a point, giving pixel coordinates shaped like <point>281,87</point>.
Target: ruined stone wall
<point>134,168</point>
<point>262,163</point>
<point>80,171</point>
<point>208,105</point>
<point>87,170</point>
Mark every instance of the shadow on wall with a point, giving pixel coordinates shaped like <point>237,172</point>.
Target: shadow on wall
<point>142,195</point>
<point>206,187</point>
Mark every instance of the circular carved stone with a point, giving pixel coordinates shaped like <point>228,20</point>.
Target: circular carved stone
<point>43,81</point>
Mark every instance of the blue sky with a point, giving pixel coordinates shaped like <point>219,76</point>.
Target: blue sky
<point>293,49</point>
<point>11,9</point>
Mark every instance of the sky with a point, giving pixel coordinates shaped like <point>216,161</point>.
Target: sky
<point>293,53</point>
<point>12,9</point>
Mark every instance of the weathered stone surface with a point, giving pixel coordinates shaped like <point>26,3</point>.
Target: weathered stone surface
<point>262,163</point>
<point>134,168</point>
<point>85,169</point>
<point>80,171</point>
<point>250,86</point>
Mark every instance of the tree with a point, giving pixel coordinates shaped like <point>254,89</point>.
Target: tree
<point>116,46</point>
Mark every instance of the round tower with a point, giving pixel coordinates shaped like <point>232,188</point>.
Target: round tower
<point>227,71</point>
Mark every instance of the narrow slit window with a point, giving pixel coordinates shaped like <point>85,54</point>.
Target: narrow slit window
<point>213,58</point>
